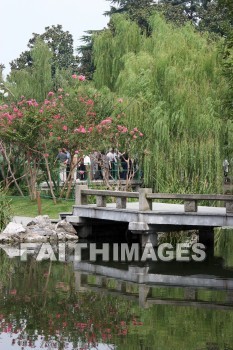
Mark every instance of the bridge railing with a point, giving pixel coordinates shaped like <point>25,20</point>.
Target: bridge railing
<point>191,200</point>
<point>146,197</point>
<point>82,193</point>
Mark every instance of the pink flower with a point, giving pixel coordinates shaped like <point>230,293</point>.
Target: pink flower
<point>76,152</point>
<point>81,77</point>
<point>65,127</point>
<point>46,155</point>
<point>120,100</point>
<point>135,129</point>
<point>134,137</point>
<point>106,121</point>
<point>51,134</point>
<point>13,292</point>
<point>74,76</point>
<point>50,93</point>
<point>141,134</point>
<point>60,90</point>
<point>90,102</point>
<point>83,130</point>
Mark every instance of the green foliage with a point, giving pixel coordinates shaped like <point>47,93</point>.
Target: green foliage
<point>114,44</point>
<point>50,303</point>
<point>5,209</point>
<point>80,118</point>
<point>35,81</point>
<point>224,246</point>
<point>60,43</point>
<point>174,96</point>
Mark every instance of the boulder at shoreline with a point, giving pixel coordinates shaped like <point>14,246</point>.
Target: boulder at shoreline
<point>39,229</point>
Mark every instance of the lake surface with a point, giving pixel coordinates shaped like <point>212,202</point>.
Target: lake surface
<point>59,305</point>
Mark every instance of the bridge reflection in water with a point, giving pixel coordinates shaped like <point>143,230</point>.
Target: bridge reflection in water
<point>137,283</point>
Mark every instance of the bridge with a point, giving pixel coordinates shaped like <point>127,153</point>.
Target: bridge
<point>143,212</point>
<point>138,283</point>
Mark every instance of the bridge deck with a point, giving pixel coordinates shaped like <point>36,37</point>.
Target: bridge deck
<point>161,214</point>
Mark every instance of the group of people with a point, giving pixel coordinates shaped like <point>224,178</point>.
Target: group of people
<point>99,165</point>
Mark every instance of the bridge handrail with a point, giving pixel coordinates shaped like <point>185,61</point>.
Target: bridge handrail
<point>146,198</point>
<point>108,193</point>
<point>82,192</point>
<point>190,200</point>
<point>185,196</point>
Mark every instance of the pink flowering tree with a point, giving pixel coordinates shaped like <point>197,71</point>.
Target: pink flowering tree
<point>80,119</point>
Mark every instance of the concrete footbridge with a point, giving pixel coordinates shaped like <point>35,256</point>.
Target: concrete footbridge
<point>145,213</point>
<point>115,282</point>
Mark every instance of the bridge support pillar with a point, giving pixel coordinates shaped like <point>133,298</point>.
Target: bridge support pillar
<point>149,239</point>
<point>147,234</point>
<point>144,292</point>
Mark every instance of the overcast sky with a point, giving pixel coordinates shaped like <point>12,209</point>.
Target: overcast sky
<point>21,18</point>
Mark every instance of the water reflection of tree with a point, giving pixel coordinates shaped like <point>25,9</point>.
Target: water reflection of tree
<point>39,303</point>
<point>224,246</point>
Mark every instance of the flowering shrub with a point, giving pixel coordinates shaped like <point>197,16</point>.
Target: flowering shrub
<point>78,119</point>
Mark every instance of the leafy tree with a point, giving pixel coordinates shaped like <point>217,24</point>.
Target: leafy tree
<point>137,10</point>
<point>226,4</point>
<point>61,44</point>
<point>205,14</point>
<point>174,93</point>
<point>85,51</point>
<point>36,81</point>
<point>78,118</point>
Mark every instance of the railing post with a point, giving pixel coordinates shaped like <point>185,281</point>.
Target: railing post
<point>80,199</point>
<point>145,203</point>
<point>121,203</point>
<point>190,206</point>
<point>229,207</point>
<point>100,201</point>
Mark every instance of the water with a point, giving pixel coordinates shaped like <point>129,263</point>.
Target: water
<point>58,305</point>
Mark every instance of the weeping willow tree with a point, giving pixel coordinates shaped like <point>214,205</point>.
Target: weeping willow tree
<point>35,81</point>
<point>174,87</point>
<point>111,46</point>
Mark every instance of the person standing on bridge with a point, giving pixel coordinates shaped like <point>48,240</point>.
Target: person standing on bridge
<point>225,167</point>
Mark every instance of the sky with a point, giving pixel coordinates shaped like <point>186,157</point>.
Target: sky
<point>21,18</point>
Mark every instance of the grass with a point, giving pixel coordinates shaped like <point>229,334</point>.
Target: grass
<point>26,207</point>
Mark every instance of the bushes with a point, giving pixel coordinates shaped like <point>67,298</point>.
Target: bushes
<point>5,209</point>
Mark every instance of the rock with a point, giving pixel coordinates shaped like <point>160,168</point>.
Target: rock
<point>42,220</point>
<point>61,236</point>
<point>65,226</point>
<point>13,228</point>
<point>71,237</point>
<point>39,229</point>
<point>31,223</point>
<point>6,239</point>
<point>34,238</point>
